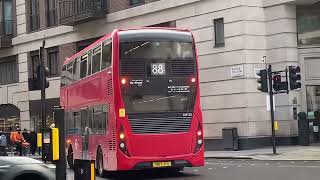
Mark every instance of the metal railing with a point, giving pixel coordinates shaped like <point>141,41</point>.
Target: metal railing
<point>72,8</point>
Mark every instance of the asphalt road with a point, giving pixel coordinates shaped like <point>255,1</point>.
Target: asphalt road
<point>232,169</point>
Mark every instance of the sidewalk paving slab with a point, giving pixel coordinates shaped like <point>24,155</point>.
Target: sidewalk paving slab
<point>284,153</point>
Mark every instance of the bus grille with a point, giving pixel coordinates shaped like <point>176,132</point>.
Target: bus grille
<point>159,125</point>
<point>183,67</point>
<point>129,68</point>
<point>109,87</point>
<point>112,143</point>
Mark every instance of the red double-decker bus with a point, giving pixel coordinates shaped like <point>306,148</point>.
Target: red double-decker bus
<point>132,101</point>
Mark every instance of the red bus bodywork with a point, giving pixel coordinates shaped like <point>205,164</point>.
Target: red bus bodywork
<point>143,149</point>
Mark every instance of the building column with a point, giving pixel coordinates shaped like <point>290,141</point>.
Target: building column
<point>283,52</point>
<point>21,17</point>
<point>21,97</point>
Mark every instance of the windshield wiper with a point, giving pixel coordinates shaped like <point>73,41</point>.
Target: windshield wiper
<point>157,99</point>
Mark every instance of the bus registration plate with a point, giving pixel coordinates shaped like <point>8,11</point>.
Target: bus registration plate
<point>161,164</point>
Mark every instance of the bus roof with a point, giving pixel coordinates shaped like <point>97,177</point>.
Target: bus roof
<point>132,33</point>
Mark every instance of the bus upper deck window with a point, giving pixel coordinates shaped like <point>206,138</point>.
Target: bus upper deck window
<point>106,55</point>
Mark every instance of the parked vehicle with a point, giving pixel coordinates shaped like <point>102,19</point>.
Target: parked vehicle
<point>23,168</point>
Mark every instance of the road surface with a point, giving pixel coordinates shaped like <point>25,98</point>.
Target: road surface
<point>232,170</point>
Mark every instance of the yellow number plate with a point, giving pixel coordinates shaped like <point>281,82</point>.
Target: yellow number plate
<point>161,164</point>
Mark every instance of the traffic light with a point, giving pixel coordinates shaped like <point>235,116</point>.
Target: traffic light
<point>39,80</point>
<point>294,77</point>
<point>278,85</point>
<point>263,80</point>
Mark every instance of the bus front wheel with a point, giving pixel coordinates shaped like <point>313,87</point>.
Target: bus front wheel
<point>100,170</point>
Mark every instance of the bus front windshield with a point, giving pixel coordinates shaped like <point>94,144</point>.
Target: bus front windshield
<point>158,74</point>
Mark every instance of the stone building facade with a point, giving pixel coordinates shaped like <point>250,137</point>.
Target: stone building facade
<point>232,37</point>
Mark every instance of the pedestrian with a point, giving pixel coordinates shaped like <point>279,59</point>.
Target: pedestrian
<point>26,135</point>
<point>17,138</point>
<point>3,144</point>
<point>33,142</point>
<point>8,137</point>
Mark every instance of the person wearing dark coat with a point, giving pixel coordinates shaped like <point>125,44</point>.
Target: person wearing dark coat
<point>33,142</point>
<point>25,135</point>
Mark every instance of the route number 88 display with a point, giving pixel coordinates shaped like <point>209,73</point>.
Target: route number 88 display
<point>158,69</point>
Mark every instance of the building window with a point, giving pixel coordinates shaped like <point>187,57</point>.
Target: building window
<point>53,62</point>
<point>51,13</point>
<point>85,43</point>
<point>136,2</point>
<point>35,62</point>
<point>8,70</point>
<point>308,24</point>
<point>219,32</point>
<point>34,16</point>
<point>313,100</point>
<point>6,20</point>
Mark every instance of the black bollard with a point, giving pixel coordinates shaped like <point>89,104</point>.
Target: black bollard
<point>61,166</point>
<point>303,128</point>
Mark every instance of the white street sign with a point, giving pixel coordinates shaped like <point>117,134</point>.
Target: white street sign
<point>237,71</point>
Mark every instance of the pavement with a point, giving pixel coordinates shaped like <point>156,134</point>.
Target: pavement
<point>284,153</point>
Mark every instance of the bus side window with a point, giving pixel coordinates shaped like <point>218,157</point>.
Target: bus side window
<point>96,59</point>
<point>69,73</point>
<point>105,117</point>
<point>76,70</point>
<point>89,63</point>
<point>63,76</point>
<point>70,123</point>
<point>99,120</point>
<point>90,119</point>
<point>83,66</point>
<point>106,54</point>
<point>77,122</point>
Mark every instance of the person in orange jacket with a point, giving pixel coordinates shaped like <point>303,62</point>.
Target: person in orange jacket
<point>17,138</point>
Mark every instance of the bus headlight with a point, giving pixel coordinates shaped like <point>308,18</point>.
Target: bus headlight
<point>122,145</point>
<point>199,139</point>
<point>122,141</point>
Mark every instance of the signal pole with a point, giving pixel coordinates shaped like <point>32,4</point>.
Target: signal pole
<point>42,86</point>
<point>272,110</point>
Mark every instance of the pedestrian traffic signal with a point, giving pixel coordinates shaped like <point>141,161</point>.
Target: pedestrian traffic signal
<point>278,85</point>
<point>263,80</point>
<point>294,77</point>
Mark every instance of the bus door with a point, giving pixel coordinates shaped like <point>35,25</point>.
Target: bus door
<point>85,132</point>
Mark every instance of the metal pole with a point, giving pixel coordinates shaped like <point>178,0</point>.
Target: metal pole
<point>61,165</point>
<point>287,82</point>
<point>272,110</point>
<point>43,88</point>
